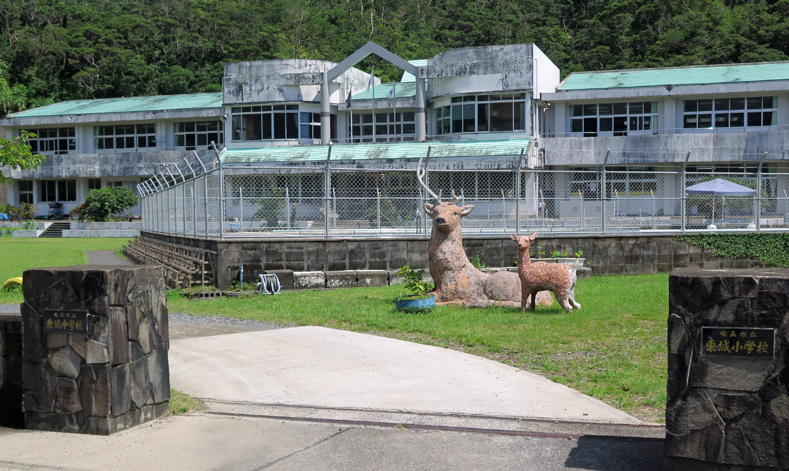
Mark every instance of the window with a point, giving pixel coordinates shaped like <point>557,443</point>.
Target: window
<point>198,134</point>
<point>482,113</point>
<point>613,119</point>
<point>631,181</point>
<point>389,127</point>
<point>730,112</point>
<point>94,184</point>
<point>57,190</point>
<point>52,141</point>
<point>25,188</point>
<point>255,123</point>
<point>310,125</point>
<point>126,136</point>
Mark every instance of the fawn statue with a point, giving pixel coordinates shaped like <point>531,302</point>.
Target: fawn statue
<point>557,277</point>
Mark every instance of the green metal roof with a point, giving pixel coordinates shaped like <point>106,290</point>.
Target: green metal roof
<point>401,90</point>
<point>407,76</point>
<point>382,151</point>
<point>125,105</point>
<point>697,75</point>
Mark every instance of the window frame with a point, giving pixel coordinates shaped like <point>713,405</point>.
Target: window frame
<point>613,119</point>
<point>134,137</point>
<point>62,142</point>
<point>721,113</point>
<point>452,118</point>
<point>396,127</point>
<point>182,132</point>
<point>58,186</point>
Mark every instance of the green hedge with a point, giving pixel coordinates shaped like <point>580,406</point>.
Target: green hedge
<point>770,248</point>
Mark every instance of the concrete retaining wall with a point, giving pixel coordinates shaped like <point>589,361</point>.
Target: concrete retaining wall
<point>101,233</point>
<point>26,233</point>
<point>606,255</point>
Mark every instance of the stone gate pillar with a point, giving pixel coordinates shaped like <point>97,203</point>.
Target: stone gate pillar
<point>728,370</point>
<point>95,341</point>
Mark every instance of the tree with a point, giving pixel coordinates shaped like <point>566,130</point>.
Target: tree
<point>101,204</point>
<point>15,153</point>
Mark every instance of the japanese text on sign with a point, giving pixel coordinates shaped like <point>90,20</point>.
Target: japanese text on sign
<point>65,321</point>
<point>738,342</point>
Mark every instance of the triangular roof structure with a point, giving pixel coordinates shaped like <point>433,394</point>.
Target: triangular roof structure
<point>720,186</point>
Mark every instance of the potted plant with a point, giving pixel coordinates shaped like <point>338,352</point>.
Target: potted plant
<point>419,299</point>
<point>558,256</point>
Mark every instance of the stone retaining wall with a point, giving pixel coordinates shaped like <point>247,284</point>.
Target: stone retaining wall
<point>727,409</point>
<point>606,255</point>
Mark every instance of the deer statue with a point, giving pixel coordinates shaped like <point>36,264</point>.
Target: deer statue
<point>457,280</point>
<point>557,277</point>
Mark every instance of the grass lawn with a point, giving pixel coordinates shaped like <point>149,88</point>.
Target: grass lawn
<point>18,254</point>
<point>614,349</point>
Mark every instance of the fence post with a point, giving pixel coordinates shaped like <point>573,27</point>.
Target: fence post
<point>684,196</point>
<point>327,194</point>
<point>194,208</point>
<point>377,209</point>
<point>759,194</point>
<point>604,192</point>
<point>288,210</point>
<point>427,184</point>
<point>518,192</point>
<point>221,200</point>
<point>205,201</point>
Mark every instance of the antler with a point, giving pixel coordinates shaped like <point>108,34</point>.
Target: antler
<point>457,199</point>
<point>420,173</point>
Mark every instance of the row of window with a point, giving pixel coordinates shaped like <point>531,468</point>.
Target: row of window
<point>613,119</point>
<point>619,119</point>
<point>271,122</point>
<point>468,114</point>
<point>730,112</point>
<point>188,135</point>
<point>482,113</point>
<point>50,191</point>
<point>382,127</point>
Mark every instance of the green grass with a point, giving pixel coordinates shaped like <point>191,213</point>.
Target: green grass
<point>613,349</point>
<point>181,404</point>
<point>18,254</point>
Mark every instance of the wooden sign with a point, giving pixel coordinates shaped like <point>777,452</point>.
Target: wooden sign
<point>749,342</point>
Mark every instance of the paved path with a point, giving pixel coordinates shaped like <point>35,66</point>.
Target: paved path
<point>105,257</point>
<point>324,367</point>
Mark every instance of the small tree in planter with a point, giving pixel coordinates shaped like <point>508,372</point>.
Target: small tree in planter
<point>419,299</point>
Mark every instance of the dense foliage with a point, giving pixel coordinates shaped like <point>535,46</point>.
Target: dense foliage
<point>57,50</point>
<point>101,204</point>
<point>770,248</point>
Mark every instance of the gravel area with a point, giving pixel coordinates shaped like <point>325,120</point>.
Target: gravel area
<point>184,325</point>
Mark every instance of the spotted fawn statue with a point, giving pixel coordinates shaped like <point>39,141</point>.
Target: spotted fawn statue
<point>557,277</point>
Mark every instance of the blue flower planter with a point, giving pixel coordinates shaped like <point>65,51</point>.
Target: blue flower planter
<point>416,304</point>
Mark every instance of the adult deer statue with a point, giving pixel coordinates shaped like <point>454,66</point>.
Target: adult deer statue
<point>557,277</point>
<point>457,280</point>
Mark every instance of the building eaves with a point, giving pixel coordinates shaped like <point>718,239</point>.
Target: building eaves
<point>693,75</point>
<point>380,151</point>
<point>161,103</point>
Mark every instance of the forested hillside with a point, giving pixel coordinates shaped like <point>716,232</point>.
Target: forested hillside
<point>54,50</point>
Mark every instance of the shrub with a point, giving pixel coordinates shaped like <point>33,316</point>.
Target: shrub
<point>101,204</point>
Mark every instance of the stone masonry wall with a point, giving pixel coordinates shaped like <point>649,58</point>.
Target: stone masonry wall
<point>727,412</point>
<point>606,255</point>
<point>113,377</point>
<point>10,370</point>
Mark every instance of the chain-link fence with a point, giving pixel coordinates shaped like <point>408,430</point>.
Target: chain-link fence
<point>324,201</point>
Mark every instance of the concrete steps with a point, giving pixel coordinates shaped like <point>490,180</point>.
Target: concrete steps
<point>55,229</point>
